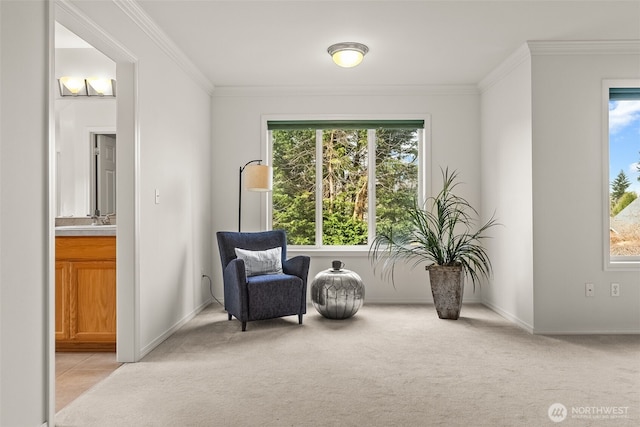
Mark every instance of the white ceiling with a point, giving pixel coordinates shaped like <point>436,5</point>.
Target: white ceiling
<point>284,43</point>
<point>68,40</point>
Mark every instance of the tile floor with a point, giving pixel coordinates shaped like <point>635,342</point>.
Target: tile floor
<point>78,372</point>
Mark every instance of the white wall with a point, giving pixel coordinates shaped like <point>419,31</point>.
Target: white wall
<point>173,156</point>
<point>237,138</point>
<point>568,196</point>
<point>24,257</point>
<point>507,186</point>
<point>542,169</point>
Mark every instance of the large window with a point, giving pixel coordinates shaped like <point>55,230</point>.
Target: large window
<point>336,182</point>
<point>624,173</point>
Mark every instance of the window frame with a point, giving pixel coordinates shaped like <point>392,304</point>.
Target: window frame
<point>424,183</point>
<point>612,263</point>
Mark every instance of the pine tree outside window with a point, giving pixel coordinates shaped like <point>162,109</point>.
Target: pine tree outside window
<point>336,182</point>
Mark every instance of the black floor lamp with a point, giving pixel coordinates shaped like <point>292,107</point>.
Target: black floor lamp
<point>257,178</point>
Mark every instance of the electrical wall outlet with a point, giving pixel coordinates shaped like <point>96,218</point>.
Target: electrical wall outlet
<point>589,290</point>
<point>615,289</point>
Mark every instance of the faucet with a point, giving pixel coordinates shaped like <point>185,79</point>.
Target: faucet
<point>99,220</point>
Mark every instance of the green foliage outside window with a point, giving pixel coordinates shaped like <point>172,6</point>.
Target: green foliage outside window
<point>345,182</point>
<point>620,197</point>
<point>619,187</point>
<point>623,201</point>
<point>294,184</point>
<point>396,177</point>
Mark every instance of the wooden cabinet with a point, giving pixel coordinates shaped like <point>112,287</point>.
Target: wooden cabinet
<point>86,293</point>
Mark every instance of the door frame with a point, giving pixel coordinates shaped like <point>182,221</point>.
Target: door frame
<point>127,182</point>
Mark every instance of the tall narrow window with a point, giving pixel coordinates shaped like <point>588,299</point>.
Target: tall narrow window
<point>396,176</point>
<point>337,182</point>
<point>294,194</point>
<point>345,187</point>
<point>624,174</point>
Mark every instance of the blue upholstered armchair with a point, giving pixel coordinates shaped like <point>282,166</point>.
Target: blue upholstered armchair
<point>259,282</point>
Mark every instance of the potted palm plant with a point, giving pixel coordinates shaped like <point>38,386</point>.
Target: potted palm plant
<point>444,234</point>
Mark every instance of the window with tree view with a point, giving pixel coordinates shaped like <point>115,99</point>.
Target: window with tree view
<point>624,173</point>
<point>336,182</point>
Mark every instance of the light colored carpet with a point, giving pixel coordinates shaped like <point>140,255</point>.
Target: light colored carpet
<point>390,365</point>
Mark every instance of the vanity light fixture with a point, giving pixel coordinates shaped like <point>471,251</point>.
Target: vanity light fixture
<point>259,177</point>
<point>101,87</point>
<point>347,54</point>
<point>72,86</point>
<point>91,86</point>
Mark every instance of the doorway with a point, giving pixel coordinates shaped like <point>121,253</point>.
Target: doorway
<point>103,174</point>
<point>126,184</point>
<point>85,288</point>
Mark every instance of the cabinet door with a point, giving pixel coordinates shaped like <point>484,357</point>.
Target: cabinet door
<point>62,300</point>
<point>93,301</point>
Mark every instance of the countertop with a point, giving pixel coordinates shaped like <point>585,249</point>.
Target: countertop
<point>86,230</point>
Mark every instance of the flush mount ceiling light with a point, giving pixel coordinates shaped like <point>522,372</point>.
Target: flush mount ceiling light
<point>347,54</point>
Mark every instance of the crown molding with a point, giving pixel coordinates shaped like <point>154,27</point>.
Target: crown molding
<point>151,29</point>
<point>505,68</point>
<point>584,47</point>
<point>558,47</point>
<point>305,91</point>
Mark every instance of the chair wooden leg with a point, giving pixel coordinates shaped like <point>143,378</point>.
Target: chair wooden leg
<point>299,319</point>
<point>229,316</point>
<point>244,326</point>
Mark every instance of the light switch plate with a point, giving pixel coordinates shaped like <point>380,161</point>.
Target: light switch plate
<point>589,290</point>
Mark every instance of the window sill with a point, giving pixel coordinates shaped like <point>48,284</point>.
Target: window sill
<point>632,264</point>
<point>329,251</point>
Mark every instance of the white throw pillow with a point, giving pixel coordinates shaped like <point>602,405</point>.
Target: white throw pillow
<point>261,262</point>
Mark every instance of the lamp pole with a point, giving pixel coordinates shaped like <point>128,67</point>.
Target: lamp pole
<point>240,190</point>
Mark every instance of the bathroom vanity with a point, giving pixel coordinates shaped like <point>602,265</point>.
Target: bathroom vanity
<point>85,288</point>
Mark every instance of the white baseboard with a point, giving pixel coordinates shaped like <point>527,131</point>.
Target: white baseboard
<point>592,332</point>
<point>510,317</point>
<point>156,342</point>
<point>471,300</point>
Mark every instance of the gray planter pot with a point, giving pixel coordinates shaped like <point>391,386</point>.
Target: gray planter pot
<point>447,287</point>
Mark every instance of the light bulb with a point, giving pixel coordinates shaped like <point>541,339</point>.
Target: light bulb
<point>347,58</point>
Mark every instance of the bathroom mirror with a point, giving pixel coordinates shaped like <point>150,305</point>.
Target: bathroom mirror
<point>81,124</point>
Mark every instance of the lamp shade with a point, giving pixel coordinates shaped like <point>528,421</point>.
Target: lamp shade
<point>258,177</point>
